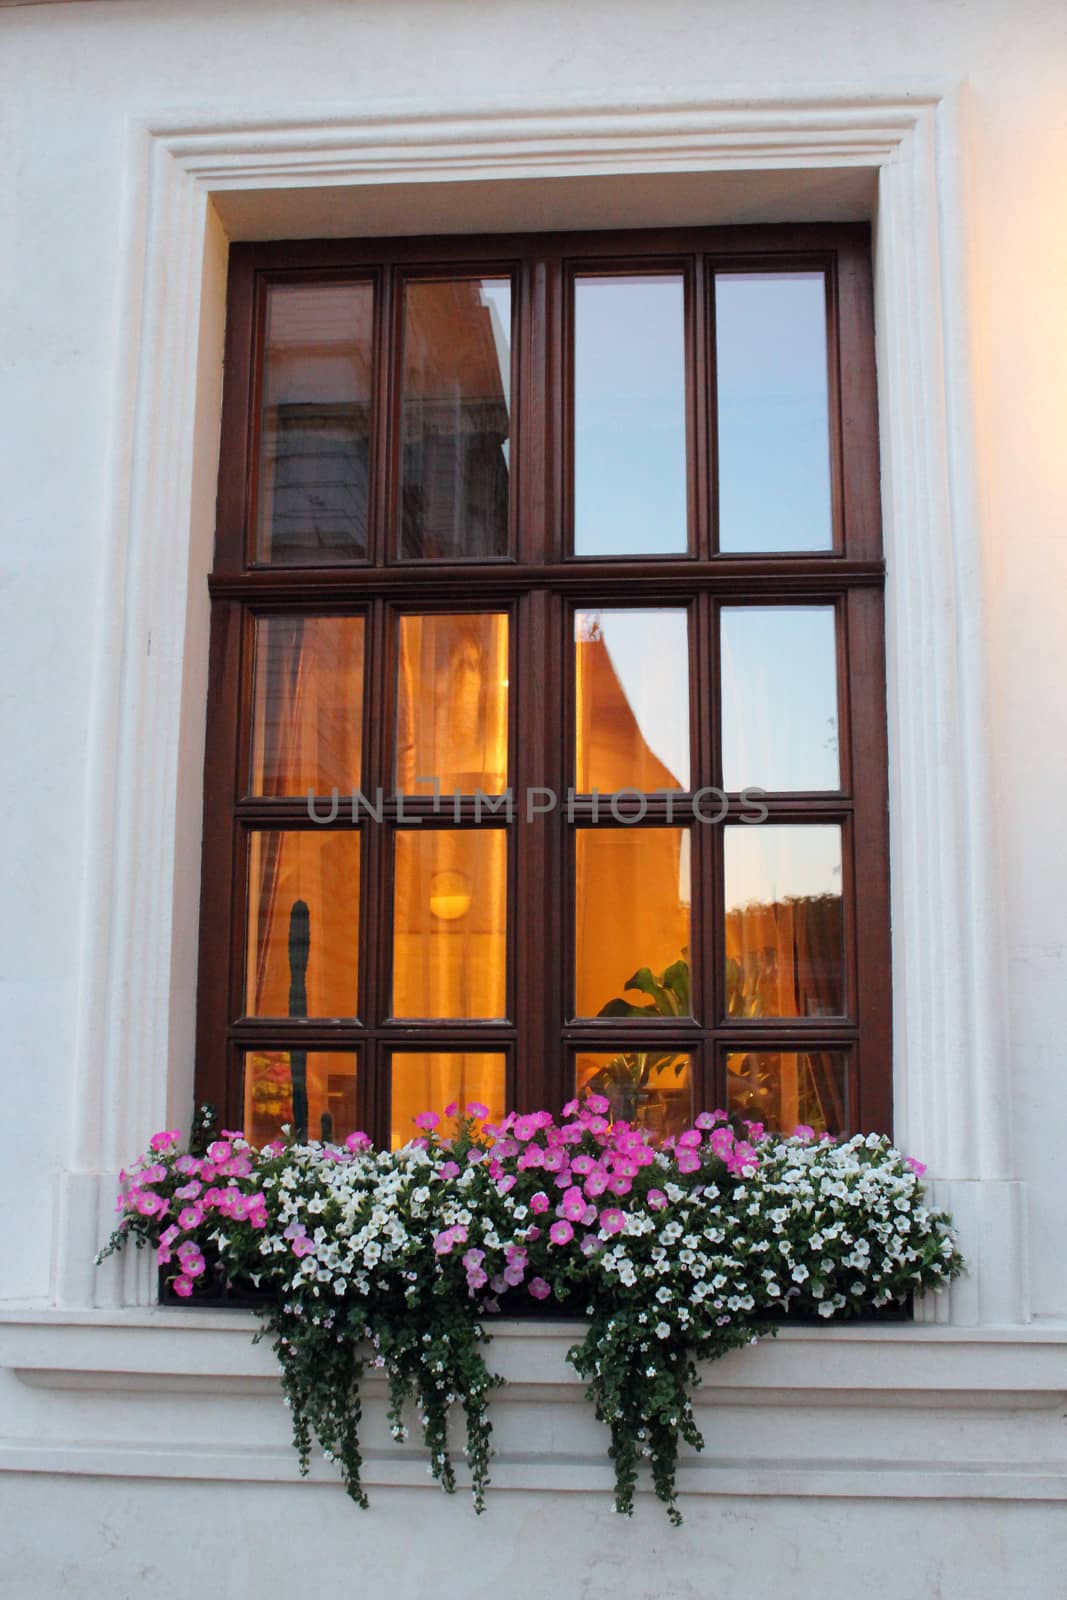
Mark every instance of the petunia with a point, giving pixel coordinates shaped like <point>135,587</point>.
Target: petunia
<point>539,1202</point>
<point>539,1288</point>
<point>427,1120</point>
<point>477,1110</point>
<point>687,1161</point>
<point>612,1220</point>
<point>656,1199</point>
<point>164,1139</point>
<point>183,1286</point>
<point>561,1232</point>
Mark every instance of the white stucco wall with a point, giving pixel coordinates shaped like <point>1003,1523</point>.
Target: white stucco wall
<point>79,85</point>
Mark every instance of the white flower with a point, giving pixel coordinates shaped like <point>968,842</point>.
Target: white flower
<point>662,1330</point>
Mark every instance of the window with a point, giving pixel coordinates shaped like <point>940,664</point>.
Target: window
<point>551,567</point>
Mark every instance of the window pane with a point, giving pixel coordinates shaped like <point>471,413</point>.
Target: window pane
<point>303,924</point>
<point>784,921</point>
<point>430,1080</point>
<point>786,1089</point>
<point>773,411</point>
<point>650,1088</point>
<point>311,1091</point>
<point>450,923</point>
<point>455,418</point>
<point>314,453</point>
<point>632,700</point>
<point>632,920</point>
<point>452,703</point>
<point>779,698</point>
<point>629,416</point>
<point>307,723</point>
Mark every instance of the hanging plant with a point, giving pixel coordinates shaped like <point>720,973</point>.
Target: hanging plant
<point>677,1254</point>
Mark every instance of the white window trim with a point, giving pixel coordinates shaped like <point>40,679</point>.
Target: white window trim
<point>132,1068</point>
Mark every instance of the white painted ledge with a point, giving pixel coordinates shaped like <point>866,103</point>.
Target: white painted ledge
<point>899,1411</point>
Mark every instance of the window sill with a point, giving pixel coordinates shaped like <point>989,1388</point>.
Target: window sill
<point>885,1410</point>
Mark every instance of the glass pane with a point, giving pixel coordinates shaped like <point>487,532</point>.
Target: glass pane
<point>314,450</point>
<point>452,703</point>
<point>629,416</point>
<point>779,698</point>
<point>785,948</point>
<point>307,719</point>
<point>430,1080</point>
<point>632,700</point>
<point>303,924</point>
<point>450,923</point>
<point>632,894</point>
<point>773,411</point>
<point>651,1088</point>
<point>311,1091</point>
<point>787,1089</point>
<point>456,419</point>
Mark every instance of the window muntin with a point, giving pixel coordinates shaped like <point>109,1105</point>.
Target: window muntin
<point>472,664</point>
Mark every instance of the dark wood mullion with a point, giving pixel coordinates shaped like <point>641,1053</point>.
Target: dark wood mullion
<point>232,517</point>
<point>217,886</point>
<point>861,483</point>
<point>534,989</point>
<point>376,910</point>
<point>870,835</point>
<point>813,575</point>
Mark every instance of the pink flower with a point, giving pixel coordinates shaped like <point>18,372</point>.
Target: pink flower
<point>802,1131</point>
<point>525,1127</point>
<point>918,1167</point>
<point>539,1288</point>
<point>473,1258</point>
<point>476,1109</point>
<point>190,1217</point>
<point>583,1164</point>
<point>357,1142</point>
<point>707,1119</point>
<point>148,1203</point>
<point>656,1199</point>
<point>168,1236</point>
<point>192,1266</point>
<point>477,1278</point>
<point>688,1161</point>
<point>619,1183</point>
<point>596,1183</point>
<point>612,1220</point>
<point>219,1151</point>
<point>539,1202</point>
<point>188,1191</point>
<point>571,1108</point>
<point>163,1255</point>
<point>302,1246</point>
<point>183,1287</point>
<point>507,1182</point>
<point>514,1273</point>
<point>427,1120</point>
<point>561,1233</point>
<point>572,1204</point>
<point>443,1242</point>
<point>164,1140</point>
<point>532,1156</point>
<point>598,1103</point>
<point>689,1140</point>
<point>451,1109</point>
<point>448,1169</point>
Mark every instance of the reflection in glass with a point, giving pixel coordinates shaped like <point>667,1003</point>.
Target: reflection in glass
<point>307,717</point>
<point>450,923</point>
<point>314,449</point>
<point>773,411</point>
<point>779,698</point>
<point>784,921</point>
<point>455,418</point>
<point>452,703</point>
<point>648,1088</point>
<point>313,1092</point>
<point>787,1089</point>
<point>632,700</point>
<point>430,1080</point>
<point>632,897</point>
<point>303,923</point>
<point>629,416</point>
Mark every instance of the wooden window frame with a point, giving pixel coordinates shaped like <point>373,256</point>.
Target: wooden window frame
<point>539,584</point>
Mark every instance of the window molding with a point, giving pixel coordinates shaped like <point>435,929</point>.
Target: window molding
<point>133,1062</point>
